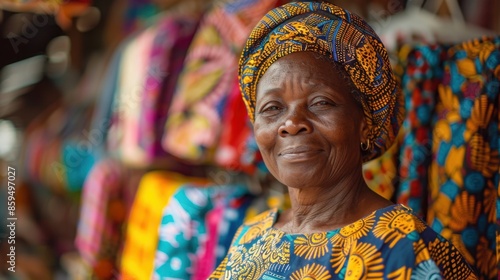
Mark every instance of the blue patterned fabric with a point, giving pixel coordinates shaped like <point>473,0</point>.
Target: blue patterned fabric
<point>183,229</point>
<point>464,198</point>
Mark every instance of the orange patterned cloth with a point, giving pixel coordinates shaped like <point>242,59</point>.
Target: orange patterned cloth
<point>344,38</point>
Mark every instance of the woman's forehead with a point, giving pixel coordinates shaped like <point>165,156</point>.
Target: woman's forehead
<point>306,67</point>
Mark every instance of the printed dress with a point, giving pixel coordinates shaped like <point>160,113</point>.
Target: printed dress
<point>390,243</point>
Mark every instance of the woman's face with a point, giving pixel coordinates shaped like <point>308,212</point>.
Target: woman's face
<point>307,124</point>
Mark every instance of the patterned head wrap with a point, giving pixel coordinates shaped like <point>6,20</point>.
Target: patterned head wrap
<point>342,37</point>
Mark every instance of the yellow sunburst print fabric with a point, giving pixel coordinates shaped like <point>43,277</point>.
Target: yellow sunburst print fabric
<point>390,243</point>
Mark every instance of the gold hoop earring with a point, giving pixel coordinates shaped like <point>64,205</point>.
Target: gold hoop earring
<point>365,147</point>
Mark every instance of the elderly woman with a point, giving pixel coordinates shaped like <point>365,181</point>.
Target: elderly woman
<point>323,99</point>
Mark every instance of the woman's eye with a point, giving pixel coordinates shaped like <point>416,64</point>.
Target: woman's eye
<point>321,103</point>
<point>271,108</point>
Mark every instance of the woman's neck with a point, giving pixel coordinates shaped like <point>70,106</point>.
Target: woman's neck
<point>319,209</point>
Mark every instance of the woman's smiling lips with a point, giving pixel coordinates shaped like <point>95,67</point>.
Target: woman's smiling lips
<point>299,153</point>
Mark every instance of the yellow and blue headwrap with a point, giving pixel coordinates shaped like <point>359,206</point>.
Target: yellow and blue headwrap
<point>344,38</point>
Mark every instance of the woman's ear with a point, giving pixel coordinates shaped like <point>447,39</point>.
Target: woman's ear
<point>364,130</point>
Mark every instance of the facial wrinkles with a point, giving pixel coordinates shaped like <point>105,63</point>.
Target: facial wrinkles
<point>285,83</point>
<point>337,158</point>
<point>338,155</point>
<point>291,84</point>
<point>295,82</point>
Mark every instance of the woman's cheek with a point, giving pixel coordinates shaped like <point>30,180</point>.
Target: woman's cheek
<point>265,137</point>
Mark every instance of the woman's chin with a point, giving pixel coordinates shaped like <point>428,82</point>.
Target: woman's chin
<point>300,178</point>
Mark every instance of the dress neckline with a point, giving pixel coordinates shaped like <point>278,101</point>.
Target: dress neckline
<point>275,212</point>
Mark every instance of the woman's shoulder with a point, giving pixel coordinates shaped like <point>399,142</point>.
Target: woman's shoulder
<point>399,224</point>
<point>400,233</point>
<point>399,217</point>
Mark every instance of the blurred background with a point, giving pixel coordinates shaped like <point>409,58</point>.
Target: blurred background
<point>115,114</point>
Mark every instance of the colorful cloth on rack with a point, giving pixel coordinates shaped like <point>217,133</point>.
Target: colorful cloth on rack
<point>381,174</point>
<point>154,193</point>
<point>150,64</point>
<point>194,123</point>
<point>191,237</point>
<point>78,159</point>
<point>43,159</point>
<point>123,135</point>
<point>102,118</point>
<point>233,150</point>
<point>58,154</point>
<point>102,213</point>
<point>138,14</point>
<point>390,243</point>
<point>208,260</point>
<point>199,223</point>
<point>423,72</point>
<point>166,57</point>
<point>464,174</point>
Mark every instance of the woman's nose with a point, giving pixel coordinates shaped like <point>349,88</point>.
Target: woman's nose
<point>295,125</point>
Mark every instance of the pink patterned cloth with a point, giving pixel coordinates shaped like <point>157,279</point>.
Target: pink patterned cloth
<point>102,213</point>
<point>173,36</point>
<point>208,257</point>
<point>194,123</point>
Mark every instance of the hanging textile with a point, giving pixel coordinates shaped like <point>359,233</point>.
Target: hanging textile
<point>401,173</point>
<point>102,118</point>
<point>58,155</point>
<point>106,197</point>
<point>464,173</point>
<point>123,136</point>
<point>191,225</point>
<point>234,150</point>
<point>194,123</point>
<point>109,107</point>
<point>166,57</point>
<point>138,14</point>
<point>150,64</point>
<point>141,237</point>
<point>102,213</point>
<point>381,174</point>
<point>423,72</point>
<point>198,225</point>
